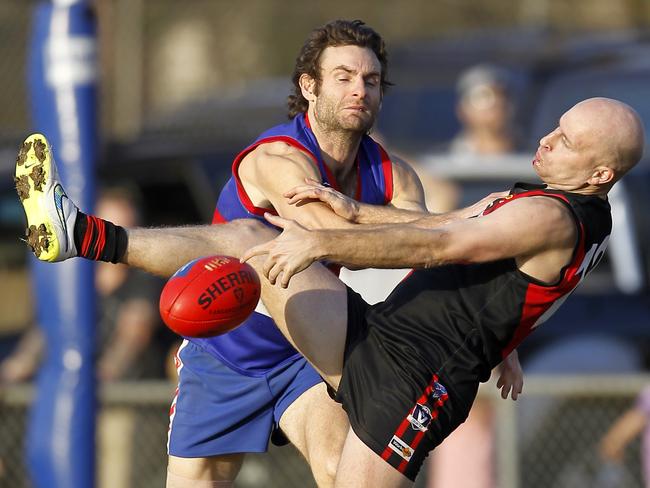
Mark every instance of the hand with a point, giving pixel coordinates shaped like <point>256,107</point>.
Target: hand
<point>288,254</point>
<point>341,205</point>
<point>511,377</point>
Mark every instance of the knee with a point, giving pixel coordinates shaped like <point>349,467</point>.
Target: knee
<point>324,465</point>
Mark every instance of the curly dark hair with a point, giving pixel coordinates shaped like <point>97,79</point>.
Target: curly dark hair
<point>335,33</point>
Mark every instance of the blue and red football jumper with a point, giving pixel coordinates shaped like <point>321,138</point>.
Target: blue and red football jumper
<point>257,345</point>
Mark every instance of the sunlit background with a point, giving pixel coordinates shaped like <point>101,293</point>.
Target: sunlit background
<point>184,85</point>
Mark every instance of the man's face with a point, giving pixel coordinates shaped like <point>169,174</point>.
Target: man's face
<point>349,95</point>
<point>485,106</point>
<point>568,155</point>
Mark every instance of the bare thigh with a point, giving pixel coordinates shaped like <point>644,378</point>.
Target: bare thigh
<point>361,467</point>
<point>188,471</point>
<point>317,426</point>
<point>311,312</point>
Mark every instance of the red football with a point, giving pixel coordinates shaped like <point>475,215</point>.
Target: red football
<point>209,296</point>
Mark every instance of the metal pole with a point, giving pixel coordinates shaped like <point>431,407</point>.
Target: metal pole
<point>62,82</point>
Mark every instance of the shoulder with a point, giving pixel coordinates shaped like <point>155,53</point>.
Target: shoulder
<point>403,172</point>
<point>408,191</point>
<point>276,150</point>
<point>552,207</point>
<point>542,205</point>
<point>270,158</point>
<point>547,216</point>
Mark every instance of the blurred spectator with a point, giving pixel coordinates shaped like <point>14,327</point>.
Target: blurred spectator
<point>132,344</point>
<point>488,140</point>
<point>485,111</point>
<point>625,429</point>
<point>21,364</point>
<point>132,341</point>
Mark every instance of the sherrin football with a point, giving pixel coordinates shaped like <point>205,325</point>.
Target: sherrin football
<point>209,296</point>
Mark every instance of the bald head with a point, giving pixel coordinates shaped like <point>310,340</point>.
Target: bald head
<point>616,130</point>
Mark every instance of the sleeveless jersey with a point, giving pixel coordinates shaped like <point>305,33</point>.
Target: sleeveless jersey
<point>257,345</point>
<point>478,313</point>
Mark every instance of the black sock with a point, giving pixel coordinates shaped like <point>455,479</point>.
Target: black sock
<point>99,239</point>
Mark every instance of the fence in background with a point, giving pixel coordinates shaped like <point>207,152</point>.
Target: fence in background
<point>547,438</point>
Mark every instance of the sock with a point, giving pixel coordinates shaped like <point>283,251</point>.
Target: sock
<point>99,239</point>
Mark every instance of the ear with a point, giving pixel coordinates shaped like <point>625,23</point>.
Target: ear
<point>601,176</point>
<point>307,87</point>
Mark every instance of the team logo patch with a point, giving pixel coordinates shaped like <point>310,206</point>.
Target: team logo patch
<point>400,447</point>
<point>420,417</point>
<point>439,392</point>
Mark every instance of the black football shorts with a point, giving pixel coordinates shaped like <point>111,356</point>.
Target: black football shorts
<point>398,406</point>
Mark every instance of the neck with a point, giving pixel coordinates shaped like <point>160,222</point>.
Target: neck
<point>491,142</point>
<point>339,149</point>
<point>588,190</point>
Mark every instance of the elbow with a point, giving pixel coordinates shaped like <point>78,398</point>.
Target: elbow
<point>443,250</point>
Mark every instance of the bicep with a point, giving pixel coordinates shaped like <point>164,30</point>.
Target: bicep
<point>518,229</point>
<point>278,174</point>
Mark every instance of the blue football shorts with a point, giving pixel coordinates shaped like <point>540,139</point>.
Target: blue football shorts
<point>217,410</point>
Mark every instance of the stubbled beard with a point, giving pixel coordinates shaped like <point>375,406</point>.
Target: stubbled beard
<point>326,115</point>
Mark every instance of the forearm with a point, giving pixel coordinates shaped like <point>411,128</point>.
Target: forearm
<point>432,220</point>
<point>375,214</point>
<point>382,246</point>
<point>379,214</point>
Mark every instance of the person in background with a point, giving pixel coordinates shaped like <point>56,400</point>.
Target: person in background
<point>132,345</point>
<point>485,110</point>
<point>632,423</point>
<point>131,341</point>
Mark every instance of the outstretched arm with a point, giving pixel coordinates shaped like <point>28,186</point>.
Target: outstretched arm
<point>265,174</point>
<point>363,213</point>
<point>272,170</point>
<point>523,229</point>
